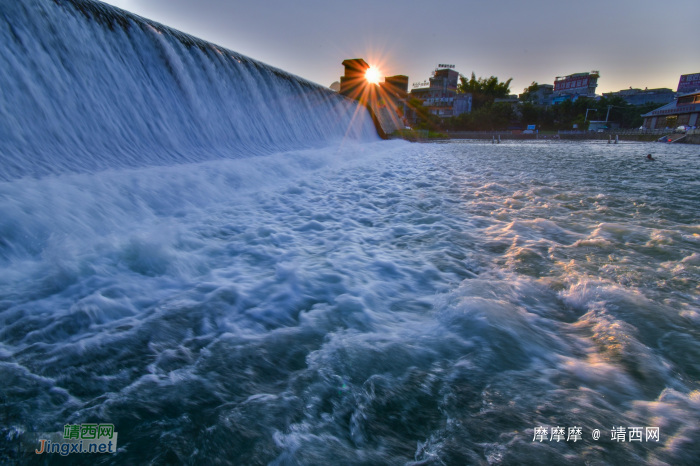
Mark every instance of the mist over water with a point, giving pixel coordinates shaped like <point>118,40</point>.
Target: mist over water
<point>318,297</point>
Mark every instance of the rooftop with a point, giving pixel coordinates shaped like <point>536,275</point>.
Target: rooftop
<point>595,74</point>
<point>673,108</point>
<point>355,63</point>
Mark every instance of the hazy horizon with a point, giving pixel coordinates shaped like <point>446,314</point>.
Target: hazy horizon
<point>631,44</point>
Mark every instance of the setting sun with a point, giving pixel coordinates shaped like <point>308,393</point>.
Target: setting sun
<point>372,75</point>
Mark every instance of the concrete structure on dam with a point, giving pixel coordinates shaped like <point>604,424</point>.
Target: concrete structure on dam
<point>384,101</point>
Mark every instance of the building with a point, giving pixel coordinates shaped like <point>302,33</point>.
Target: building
<point>689,83</point>
<point>512,100</point>
<point>643,97</point>
<point>541,97</point>
<point>509,99</point>
<point>574,86</point>
<point>462,104</point>
<point>443,84</point>
<point>354,81</point>
<point>439,95</point>
<point>383,101</point>
<point>396,85</point>
<point>355,85</point>
<point>335,86</point>
<point>683,111</point>
<point>446,107</point>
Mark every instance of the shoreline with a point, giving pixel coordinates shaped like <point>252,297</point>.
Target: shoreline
<point>489,136</point>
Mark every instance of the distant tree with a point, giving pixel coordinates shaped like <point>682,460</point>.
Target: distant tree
<point>634,116</point>
<point>428,120</point>
<point>488,86</point>
<point>530,115</point>
<point>580,122</point>
<point>489,117</point>
<point>529,91</point>
<point>483,90</point>
<point>627,115</point>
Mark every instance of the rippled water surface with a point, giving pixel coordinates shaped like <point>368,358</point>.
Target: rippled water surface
<point>379,303</point>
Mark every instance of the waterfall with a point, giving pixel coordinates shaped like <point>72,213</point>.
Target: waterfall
<point>86,87</point>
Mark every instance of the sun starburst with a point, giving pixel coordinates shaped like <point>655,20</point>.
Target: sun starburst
<point>373,74</point>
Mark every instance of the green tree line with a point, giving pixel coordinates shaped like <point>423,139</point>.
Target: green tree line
<point>487,115</point>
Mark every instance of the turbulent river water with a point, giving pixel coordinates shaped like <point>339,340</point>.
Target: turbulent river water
<point>366,303</point>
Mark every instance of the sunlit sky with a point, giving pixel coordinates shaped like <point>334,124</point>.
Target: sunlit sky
<point>636,43</point>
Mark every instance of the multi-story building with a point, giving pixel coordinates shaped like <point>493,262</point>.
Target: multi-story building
<point>442,85</point>
<point>395,86</point>
<point>574,86</point>
<point>439,95</point>
<point>541,97</point>
<point>462,103</point>
<point>646,96</point>
<point>354,83</point>
<point>512,100</point>
<point>684,111</point>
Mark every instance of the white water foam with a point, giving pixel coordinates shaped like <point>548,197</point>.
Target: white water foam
<point>353,304</point>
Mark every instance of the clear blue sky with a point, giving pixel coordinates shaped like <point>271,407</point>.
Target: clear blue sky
<point>634,43</point>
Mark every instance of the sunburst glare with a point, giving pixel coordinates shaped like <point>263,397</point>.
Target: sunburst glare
<point>372,75</point>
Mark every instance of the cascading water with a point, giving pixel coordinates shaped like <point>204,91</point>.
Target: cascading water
<point>87,87</point>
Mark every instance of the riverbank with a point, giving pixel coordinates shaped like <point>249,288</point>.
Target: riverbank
<point>411,135</point>
<point>691,137</point>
